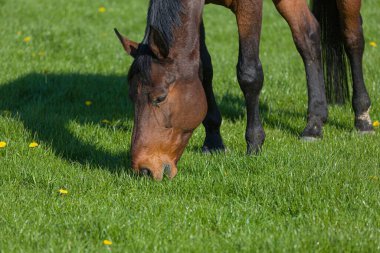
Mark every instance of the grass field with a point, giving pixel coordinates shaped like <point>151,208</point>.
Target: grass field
<point>294,197</point>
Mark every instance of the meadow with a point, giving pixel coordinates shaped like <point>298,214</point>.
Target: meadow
<point>63,86</point>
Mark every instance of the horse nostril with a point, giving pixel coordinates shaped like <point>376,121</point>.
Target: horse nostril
<point>145,172</point>
<point>167,169</point>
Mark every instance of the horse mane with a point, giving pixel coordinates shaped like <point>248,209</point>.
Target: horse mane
<point>163,15</point>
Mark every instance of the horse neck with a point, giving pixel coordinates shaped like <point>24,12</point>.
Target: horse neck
<point>185,50</point>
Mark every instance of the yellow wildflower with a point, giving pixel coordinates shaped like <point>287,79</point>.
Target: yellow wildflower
<point>107,242</point>
<point>3,144</point>
<point>33,144</point>
<point>373,44</point>
<point>63,191</point>
<point>88,103</point>
<point>27,39</point>
<point>376,123</point>
<point>102,9</point>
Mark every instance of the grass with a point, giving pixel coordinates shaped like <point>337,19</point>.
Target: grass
<point>295,196</point>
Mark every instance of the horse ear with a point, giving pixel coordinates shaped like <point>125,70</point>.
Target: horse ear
<point>158,44</point>
<point>129,46</point>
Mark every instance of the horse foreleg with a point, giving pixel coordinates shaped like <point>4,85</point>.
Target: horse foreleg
<point>249,70</point>
<point>306,35</point>
<point>213,120</point>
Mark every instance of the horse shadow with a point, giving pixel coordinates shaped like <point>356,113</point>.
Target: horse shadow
<point>47,104</point>
<point>232,108</point>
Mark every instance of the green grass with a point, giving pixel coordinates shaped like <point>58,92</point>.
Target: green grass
<point>295,196</point>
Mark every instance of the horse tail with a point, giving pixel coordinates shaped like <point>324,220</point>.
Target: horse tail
<point>334,58</point>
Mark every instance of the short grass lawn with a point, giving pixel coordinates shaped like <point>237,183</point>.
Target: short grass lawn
<point>63,85</point>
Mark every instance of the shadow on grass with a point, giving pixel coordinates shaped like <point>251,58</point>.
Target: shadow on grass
<point>233,108</point>
<point>47,103</point>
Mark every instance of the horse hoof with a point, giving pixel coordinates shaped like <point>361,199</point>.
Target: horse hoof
<point>364,126</point>
<point>254,150</point>
<point>310,139</point>
<point>313,130</point>
<point>213,150</point>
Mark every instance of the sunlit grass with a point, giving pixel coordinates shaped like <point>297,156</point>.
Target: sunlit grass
<point>65,128</point>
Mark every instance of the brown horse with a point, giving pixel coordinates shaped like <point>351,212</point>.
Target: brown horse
<point>171,76</point>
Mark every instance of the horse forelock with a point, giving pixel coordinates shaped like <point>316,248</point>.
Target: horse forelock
<point>141,68</point>
<point>163,15</point>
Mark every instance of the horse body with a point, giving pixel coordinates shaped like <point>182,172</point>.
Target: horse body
<point>171,77</point>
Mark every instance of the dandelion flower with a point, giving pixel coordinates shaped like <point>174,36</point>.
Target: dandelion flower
<point>33,144</point>
<point>102,9</point>
<point>373,44</point>
<point>376,123</point>
<point>63,191</point>
<point>88,103</point>
<point>3,144</point>
<point>27,39</point>
<point>107,242</point>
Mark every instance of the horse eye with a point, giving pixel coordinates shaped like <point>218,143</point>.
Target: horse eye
<point>159,100</point>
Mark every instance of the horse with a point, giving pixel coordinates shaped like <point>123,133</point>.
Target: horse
<point>170,79</point>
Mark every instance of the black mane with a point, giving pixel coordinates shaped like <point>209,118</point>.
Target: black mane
<point>163,15</point>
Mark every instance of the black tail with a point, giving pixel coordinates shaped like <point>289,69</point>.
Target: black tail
<point>333,54</point>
